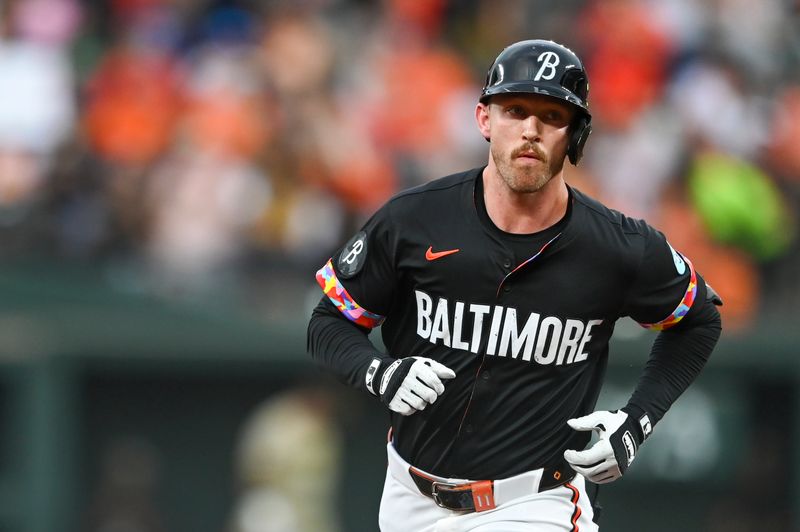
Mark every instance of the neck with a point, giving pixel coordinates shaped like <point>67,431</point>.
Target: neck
<point>524,212</point>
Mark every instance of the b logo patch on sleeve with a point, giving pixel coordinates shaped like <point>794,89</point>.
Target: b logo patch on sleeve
<point>353,256</point>
<point>680,264</point>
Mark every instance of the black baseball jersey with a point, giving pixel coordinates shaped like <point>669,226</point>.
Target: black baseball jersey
<point>523,320</point>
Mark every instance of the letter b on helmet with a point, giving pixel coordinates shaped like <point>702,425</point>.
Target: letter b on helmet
<point>549,61</point>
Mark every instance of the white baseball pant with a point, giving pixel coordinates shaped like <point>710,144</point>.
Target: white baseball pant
<point>563,509</point>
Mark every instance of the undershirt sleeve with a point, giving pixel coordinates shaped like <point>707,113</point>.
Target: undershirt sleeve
<point>339,345</point>
<point>678,355</point>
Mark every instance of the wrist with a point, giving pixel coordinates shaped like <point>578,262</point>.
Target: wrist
<point>640,420</point>
<point>374,374</point>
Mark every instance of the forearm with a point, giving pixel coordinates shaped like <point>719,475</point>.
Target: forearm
<point>676,359</point>
<point>405,385</point>
<point>340,346</point>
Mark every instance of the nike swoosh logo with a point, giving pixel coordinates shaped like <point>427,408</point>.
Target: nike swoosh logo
<point>433,255</point>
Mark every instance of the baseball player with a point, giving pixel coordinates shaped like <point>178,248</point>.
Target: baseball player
<point>497,290</point>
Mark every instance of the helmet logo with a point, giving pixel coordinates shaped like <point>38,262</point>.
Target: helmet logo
<point>550,61</point>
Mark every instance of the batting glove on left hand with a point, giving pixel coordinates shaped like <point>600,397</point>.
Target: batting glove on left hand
<point>609,458</point>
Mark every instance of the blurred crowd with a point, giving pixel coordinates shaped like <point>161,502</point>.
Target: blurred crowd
<point>197,148</point>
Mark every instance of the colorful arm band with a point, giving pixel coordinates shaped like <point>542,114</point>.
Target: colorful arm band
<point>683,307</point>
<point>336,292</point>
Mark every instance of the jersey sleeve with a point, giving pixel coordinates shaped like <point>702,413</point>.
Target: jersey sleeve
<point>359,279</point>
<point>665,286</point>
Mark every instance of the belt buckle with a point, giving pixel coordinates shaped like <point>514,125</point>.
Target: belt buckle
<point>435,493</point>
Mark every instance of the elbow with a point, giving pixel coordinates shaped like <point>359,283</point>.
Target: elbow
<point>714,323</point>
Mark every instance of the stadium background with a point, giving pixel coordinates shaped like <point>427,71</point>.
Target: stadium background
<point>173,172</point>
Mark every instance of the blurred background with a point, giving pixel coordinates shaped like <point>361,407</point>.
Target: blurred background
<point>173,173</point>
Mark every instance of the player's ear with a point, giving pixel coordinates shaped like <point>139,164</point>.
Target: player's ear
<point>482,118</point>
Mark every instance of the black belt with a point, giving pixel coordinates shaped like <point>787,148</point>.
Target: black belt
<point>479,496</point>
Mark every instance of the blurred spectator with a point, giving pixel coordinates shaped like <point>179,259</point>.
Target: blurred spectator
<point>632,166</point>
<point>287,466</point>
<point>419,98</point>
<point>718,109</point>
<point>37,104</point>
<point>132,105</point>
<point>627,59</point>
<point>740,205</point>
<point>333,149</point>
<point>227,111</point>
<point>37,113</point>
<point>783,155</point>
<point>754,39</point>
<point>202,204</point>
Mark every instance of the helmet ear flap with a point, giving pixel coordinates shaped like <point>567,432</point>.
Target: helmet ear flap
<point>579,133</point>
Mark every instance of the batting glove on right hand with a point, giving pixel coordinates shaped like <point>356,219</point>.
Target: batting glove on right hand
<point>407,385</point>
<point>609,458</point>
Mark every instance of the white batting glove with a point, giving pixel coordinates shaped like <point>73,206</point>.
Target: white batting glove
<point>407,385</point>
<point>609,458</point>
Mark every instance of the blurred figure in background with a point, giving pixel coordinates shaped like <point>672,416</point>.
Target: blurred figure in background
<point>287,466</point>
<point>37,111</point>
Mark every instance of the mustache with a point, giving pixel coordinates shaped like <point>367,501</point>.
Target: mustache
<point>530,148</point>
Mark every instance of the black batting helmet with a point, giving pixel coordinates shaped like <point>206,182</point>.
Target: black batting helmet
<point>550,69</point>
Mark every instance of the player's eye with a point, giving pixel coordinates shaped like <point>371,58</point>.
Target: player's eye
<point>515,111</point>
<point>555,117</point>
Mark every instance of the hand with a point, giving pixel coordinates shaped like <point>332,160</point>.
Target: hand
<point>408,385</point>
<point>609,458</point>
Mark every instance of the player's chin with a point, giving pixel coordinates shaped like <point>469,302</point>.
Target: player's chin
<point>530,183</point>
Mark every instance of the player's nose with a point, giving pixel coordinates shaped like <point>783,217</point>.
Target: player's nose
<point>531,128</point>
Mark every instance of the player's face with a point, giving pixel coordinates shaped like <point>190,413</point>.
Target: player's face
<point>529,137</point>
